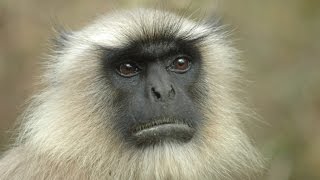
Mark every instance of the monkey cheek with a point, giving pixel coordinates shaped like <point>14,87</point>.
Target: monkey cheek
<point>180,133</point>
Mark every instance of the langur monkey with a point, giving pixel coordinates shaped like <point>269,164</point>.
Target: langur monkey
<point>136,95</point>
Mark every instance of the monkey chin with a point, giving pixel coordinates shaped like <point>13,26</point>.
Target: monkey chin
<point>162,131</point>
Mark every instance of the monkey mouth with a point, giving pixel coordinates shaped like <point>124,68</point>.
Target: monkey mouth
<point>163,130</point>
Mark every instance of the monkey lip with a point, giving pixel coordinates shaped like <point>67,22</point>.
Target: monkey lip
<point>156,132</point>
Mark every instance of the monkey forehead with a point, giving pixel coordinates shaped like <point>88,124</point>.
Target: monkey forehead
<point>119,28</point>
<point>122,28</point>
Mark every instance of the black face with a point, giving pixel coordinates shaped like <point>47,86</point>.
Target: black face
<point>155,83</point>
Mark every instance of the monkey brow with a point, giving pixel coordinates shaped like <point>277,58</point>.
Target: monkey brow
<point>150,50</point>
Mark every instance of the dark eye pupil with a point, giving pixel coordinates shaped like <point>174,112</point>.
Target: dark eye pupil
<point>181,64</point>
<point>128,69</point>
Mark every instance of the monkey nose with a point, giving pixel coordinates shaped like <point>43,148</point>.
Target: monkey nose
<point>162,93</point>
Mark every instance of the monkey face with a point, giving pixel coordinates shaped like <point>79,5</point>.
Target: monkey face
<point>154,79</point>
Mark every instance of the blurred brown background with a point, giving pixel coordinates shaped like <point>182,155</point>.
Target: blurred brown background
<point>280,41</point>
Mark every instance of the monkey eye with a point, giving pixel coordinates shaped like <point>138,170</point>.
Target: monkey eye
<point>128,69</point>
<point>180,65</point>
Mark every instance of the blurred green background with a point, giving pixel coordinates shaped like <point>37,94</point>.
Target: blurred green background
<point>279,40</point>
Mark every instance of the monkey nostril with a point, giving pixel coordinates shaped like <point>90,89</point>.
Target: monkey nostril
<point>172,92</point>
<point>156,94</point>
<point>162,94</point>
